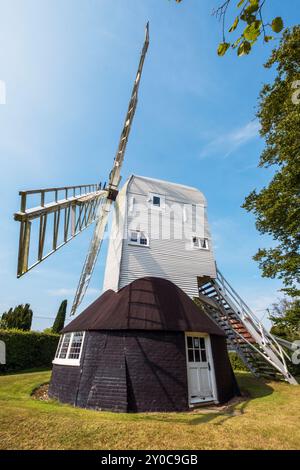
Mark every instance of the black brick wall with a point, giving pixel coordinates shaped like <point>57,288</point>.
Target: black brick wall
<point>227,386</point>
<point>156,371</point>
<point>126,371</point>
<point>136,371</point>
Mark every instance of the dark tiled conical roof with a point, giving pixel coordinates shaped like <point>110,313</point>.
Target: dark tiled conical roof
<point>149,303</point>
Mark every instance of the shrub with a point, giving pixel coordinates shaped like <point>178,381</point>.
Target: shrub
<point>236,362</point>
<point>28,349</point>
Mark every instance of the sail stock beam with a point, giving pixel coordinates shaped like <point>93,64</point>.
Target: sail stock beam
<point>113,184</point>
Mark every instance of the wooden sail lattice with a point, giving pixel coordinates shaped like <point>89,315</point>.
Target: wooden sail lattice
<point>60,214</point>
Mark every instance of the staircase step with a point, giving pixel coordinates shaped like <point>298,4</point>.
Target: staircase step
<point>229,318</point>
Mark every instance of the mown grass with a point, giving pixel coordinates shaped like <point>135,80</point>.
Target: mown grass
<point>269,419</point>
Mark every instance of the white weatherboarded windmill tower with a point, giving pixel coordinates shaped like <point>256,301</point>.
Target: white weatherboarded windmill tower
<point>159,229</point>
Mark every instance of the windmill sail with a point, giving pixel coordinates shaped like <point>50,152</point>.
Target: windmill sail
<point>51,217</point>
<point>113,184</point>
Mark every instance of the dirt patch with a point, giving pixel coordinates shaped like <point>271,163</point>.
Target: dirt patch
<point>41,393</point>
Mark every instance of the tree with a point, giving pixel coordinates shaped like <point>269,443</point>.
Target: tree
<point>60,317</point>
<point>20,317</point>
<point>277,206</point>
<point>285,318</point>
<point>249,15</point>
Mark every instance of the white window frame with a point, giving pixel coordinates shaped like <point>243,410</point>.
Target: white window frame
<point>67,361</point>
<point>199,247</point>
<point>162,201</point>
<point>138,241</point>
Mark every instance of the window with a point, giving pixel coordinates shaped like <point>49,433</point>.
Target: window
<point>200,243</point>
<point>74,352</point>
<point>137,237</point>
<point>156,201</point>
<point>69,349</point>
<point>134,237</point>
<point>143,239</point>
<point>65,346</point>
<point>196,349</point>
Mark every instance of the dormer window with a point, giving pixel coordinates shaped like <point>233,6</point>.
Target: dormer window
<point>156,201</point>
<point>200,243</point>
<point>136,237</point>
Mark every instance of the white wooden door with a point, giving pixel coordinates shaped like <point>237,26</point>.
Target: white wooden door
<point>199,370</point>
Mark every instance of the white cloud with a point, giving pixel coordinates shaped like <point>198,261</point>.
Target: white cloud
<point>226,144</point>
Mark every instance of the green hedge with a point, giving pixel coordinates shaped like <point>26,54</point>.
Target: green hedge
<point>236,362</point>
<point>28,349</point>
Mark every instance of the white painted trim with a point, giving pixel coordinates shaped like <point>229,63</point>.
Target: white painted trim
<point>211,364</point>
<point>66,362</point>
<point>212,370</point>
<point>58,346</point>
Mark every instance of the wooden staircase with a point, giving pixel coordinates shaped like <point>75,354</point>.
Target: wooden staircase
<point>258,349</point>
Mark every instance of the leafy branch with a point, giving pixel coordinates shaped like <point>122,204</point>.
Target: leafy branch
<point>250,18</point>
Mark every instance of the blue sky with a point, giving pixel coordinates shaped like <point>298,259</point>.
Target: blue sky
<point>68,66</point>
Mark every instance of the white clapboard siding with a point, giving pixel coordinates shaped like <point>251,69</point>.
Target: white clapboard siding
<point>169,257</point>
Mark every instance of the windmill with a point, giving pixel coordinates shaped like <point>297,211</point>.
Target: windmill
<point>61,213</point>
<point>67,211</point>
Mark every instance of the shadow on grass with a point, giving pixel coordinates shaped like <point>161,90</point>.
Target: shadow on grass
<point>251,388</point>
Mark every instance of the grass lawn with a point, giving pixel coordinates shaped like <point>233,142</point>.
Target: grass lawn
<point>270,419</point>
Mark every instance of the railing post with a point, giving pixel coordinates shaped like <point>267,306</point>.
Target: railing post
<point>23,201</point>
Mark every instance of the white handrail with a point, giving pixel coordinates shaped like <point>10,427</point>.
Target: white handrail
<point>265,335</point>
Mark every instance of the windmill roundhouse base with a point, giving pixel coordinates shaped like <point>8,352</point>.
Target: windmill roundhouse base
<point>147,347</point>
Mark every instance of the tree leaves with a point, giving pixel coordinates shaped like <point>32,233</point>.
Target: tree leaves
<point>277,24</point>
<point>250,12</point>
<point>244,48</point>
<point>235,23</point>
<point>268,38</point>
<point>20,317</point>
<point>276,207</point>
<point>252,31</point>
<point>60,318</point>
<point>223,48</point>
